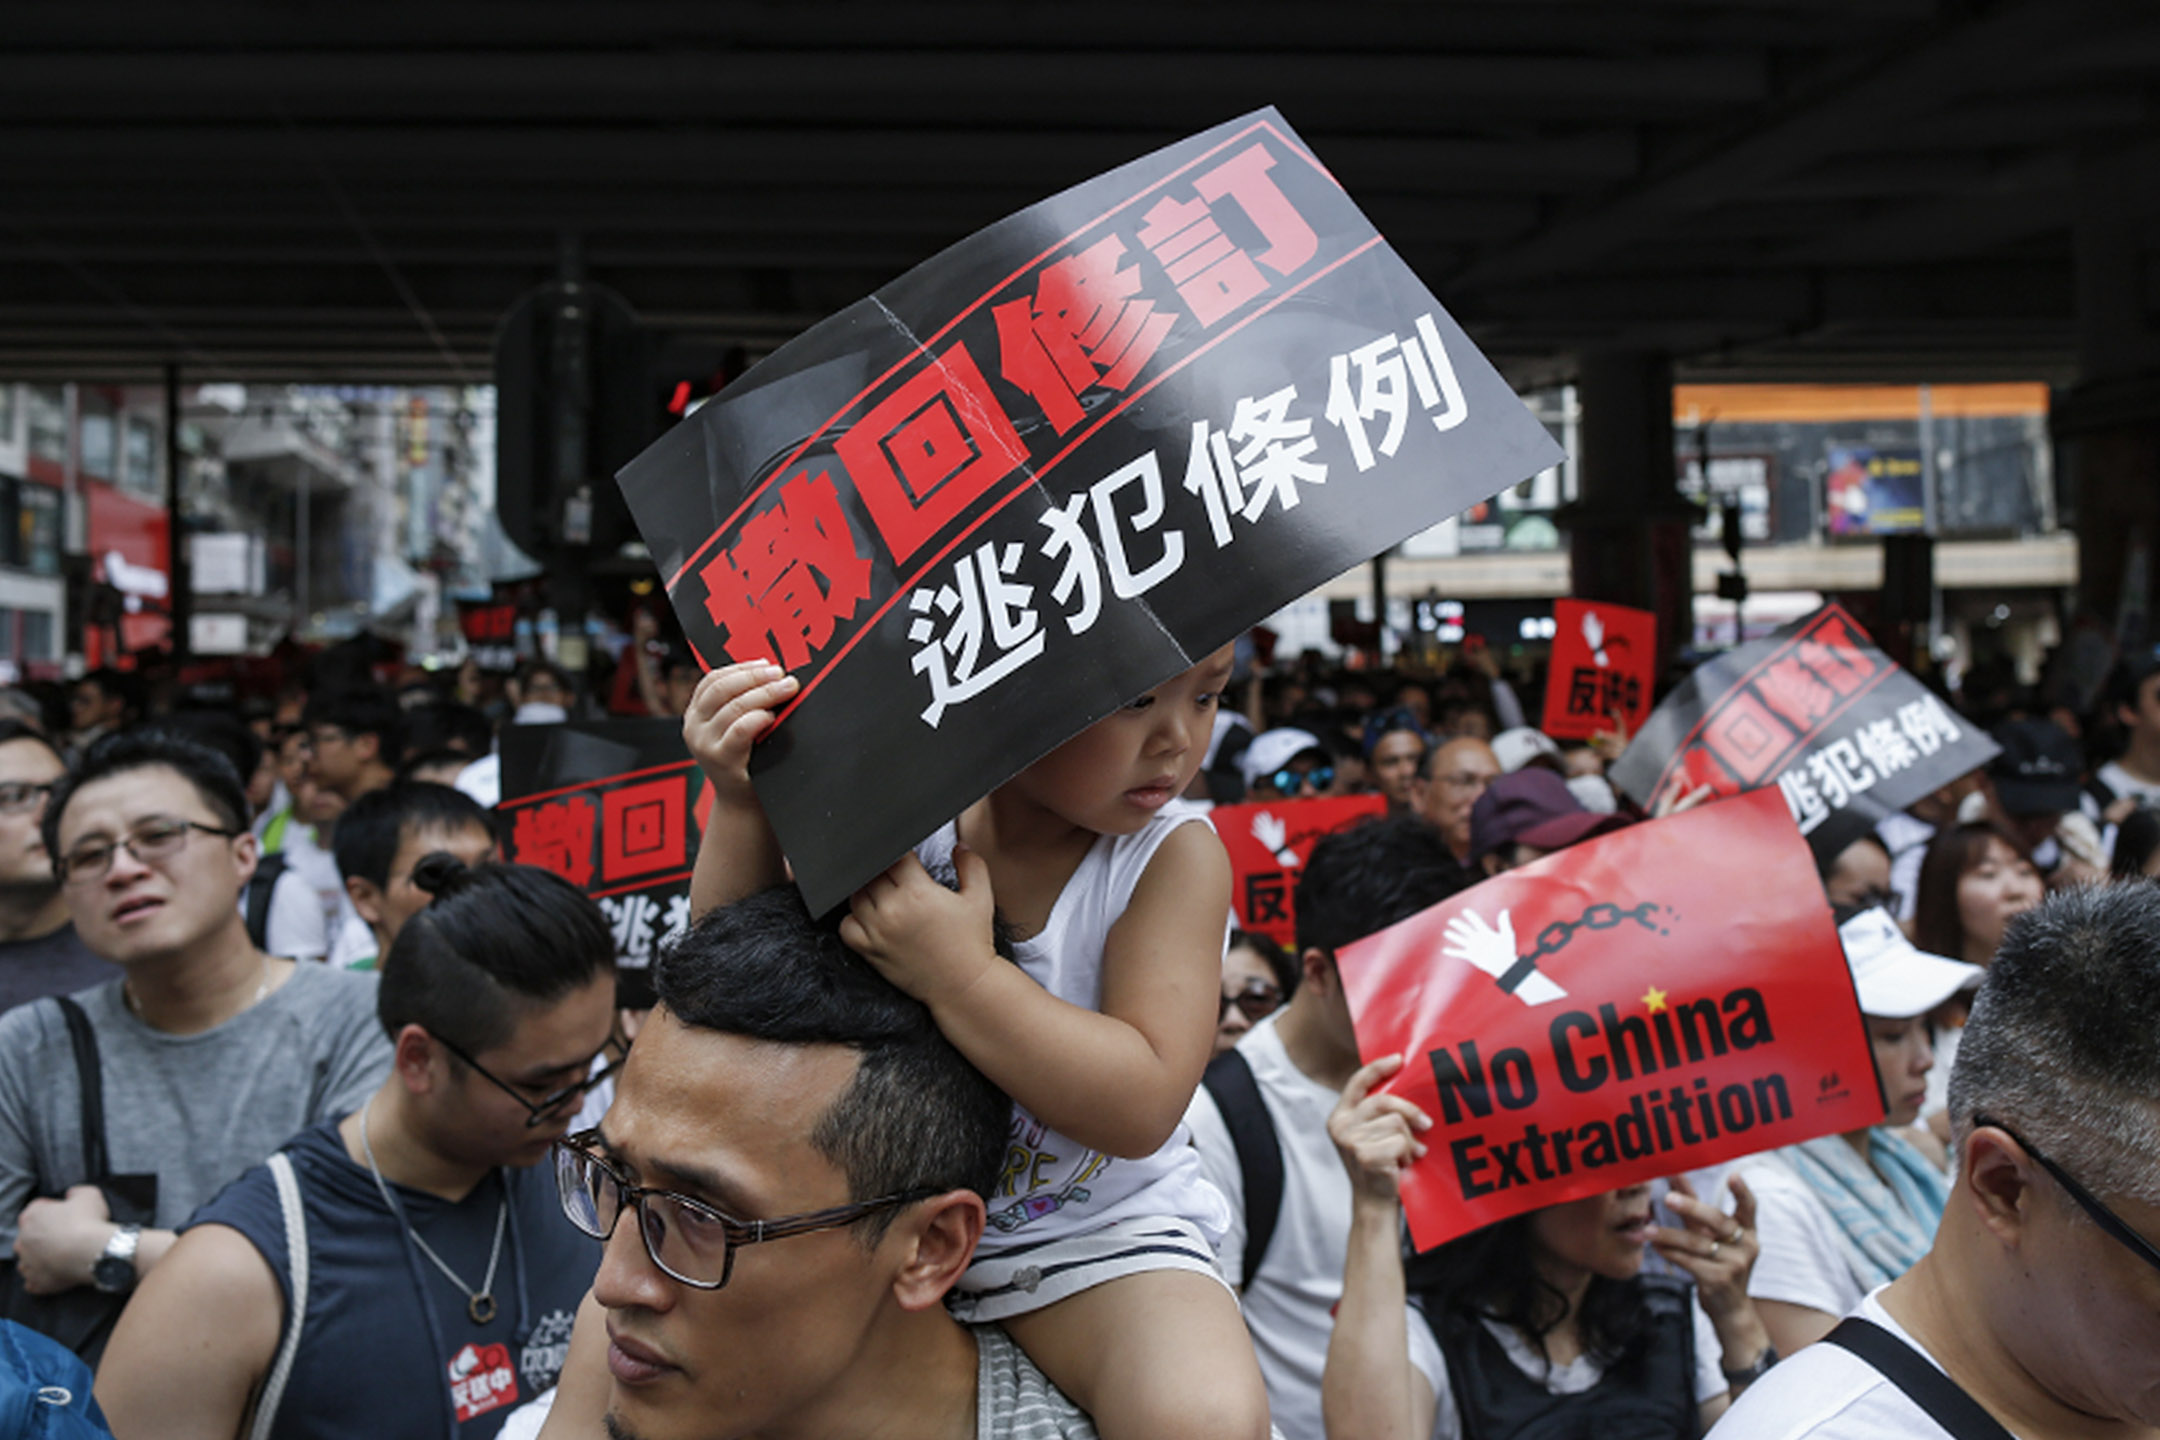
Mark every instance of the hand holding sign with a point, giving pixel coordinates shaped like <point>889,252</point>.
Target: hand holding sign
<point>1376,1134</point>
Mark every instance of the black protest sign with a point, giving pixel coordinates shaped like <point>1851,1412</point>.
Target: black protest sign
<point>613,807</point>
<point>1813,709</point>
<point>1056,465</point>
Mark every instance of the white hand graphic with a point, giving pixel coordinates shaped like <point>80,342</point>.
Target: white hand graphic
<point>1492,950</point>
<point>1270,831</point>
<point>1593,630</point>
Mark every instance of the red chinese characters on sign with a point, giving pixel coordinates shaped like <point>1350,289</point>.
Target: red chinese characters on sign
<point>1213,275</point>
<point>1086,327</point>
<point>792,575</point>
<point>1790,699</point>
<point>1604,658</point>
<point>556,835</point>
<point>482,1379</point>
<point>1589,1021</point>
<point>929,450</point>
<point>1269,842</point>
<point>644,827</point>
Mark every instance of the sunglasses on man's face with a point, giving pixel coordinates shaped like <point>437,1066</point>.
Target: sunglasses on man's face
<point>1287,780</point>
<point>1256,1001</point>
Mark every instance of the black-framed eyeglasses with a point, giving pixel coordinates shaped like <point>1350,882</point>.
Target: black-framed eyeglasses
<point>2090,1203</point>
<point>686,1239</point>
<point>1255,1002</point>
<point>17,796</point>
<point>152,842</point>
<point>548,1107</point>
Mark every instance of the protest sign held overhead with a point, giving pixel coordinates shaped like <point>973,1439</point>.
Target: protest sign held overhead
<point>612,806</point>
<point>1603,667</point>
<point>1056,465</point>
<point>1814,710</point>
<point>490,631</point>
<point>1654,1000</point>
<point>1269,842</point>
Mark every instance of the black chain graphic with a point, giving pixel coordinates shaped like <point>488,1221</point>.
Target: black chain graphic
<point>1604,916</point>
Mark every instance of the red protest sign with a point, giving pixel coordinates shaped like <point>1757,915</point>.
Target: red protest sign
<point>1268,843</point>
<point>1604,659</point>
<point>1655,1000</point>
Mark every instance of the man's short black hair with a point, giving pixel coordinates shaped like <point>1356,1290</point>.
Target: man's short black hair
<point>117,685</point>
<point>363,710</point>
<point>212,775</point>
<point>493,938</point>
<point>2063,1044</point>
<point>370,830</point>
<point>1365,879</point>
<point>218,730</point>
<point>917,1115</point>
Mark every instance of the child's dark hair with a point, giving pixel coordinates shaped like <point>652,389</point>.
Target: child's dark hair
<point>493,939</point>
<point>363,710</point>
<point>221,788</point>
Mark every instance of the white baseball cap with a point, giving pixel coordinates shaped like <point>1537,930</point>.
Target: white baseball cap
<point>1896,979</point>
<point>1518,747</point>
<point>1273,749</point>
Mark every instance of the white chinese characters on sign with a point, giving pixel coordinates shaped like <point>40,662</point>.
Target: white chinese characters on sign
<point>642,926</point>
<point>1836,772</point>
<point>1386,372</point>
<point>989,627</point>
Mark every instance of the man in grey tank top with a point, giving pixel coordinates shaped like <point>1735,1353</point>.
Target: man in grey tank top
<point>784,1092</point>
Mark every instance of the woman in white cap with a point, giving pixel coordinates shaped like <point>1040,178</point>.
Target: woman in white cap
<point>1844,1214</point>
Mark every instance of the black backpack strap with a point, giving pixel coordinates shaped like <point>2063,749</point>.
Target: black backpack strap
<point>92,1081</point>
<point>1230,1084</point>
<point>260,886</point>
<point>1929,1388</point>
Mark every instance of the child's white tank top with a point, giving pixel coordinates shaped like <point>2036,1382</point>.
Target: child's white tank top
<point>1053,1186</point>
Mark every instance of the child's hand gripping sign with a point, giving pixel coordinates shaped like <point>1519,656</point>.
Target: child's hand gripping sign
<point>1655,1000</point>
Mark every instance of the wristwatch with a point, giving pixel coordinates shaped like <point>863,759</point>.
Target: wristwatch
<point>1748,1376</point>
<point>114,1272</point>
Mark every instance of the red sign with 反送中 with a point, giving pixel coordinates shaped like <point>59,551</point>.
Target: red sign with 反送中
<point>1655,1000</point>
<point>1269,842</point>
<point>1604,659</point>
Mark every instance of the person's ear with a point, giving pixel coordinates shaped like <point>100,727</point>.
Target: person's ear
<point>936,1241</point>
<point>1316,967</point>
<point>247,851</point>
<point>367,901</point>
<point>372,747</point>
<point>417,1060</point>
<point>1998,1184</point>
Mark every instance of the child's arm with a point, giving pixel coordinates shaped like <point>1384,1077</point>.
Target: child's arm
<point>1117,1081</point>
<point>737,854</point>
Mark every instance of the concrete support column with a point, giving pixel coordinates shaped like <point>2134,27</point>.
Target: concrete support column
<point>2107,428</point>
<point>1628,529</point>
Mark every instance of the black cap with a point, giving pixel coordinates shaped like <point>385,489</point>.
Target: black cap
<point>2037,771</point>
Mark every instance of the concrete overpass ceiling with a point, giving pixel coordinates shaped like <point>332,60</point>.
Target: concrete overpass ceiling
<point>1813,189</point>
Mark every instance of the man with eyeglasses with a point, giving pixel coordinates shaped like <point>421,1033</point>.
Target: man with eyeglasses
<point>2037,1311</point>
<point>791,1178</point>
<point>210,1052</point>
<point>1260,1119</point>
<point>403,1270</point>
<point>1451,778</point>
<point>40,953</point>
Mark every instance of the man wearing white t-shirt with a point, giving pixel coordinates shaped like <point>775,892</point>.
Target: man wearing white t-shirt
<point>2037,1311</point>
<point>1299,1058</point>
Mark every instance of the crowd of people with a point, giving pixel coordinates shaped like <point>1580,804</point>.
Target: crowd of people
<point>318,1119</point>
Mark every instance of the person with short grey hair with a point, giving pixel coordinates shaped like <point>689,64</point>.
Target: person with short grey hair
<point>2037,1311</point>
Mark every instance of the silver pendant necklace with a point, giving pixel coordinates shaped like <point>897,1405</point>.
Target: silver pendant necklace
<point>479,1304</point>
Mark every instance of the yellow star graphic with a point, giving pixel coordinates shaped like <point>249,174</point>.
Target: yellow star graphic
<point>1654,1000</point>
